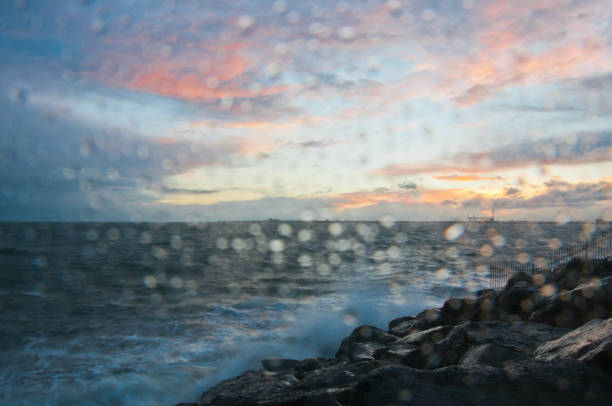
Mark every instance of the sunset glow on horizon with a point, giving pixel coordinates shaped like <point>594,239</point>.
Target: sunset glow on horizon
<point>214,110</point>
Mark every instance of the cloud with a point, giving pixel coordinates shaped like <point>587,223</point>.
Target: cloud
<point>172,190</point>
<point>467,178</point>
<point>408,185</point>
<point>512,191</point>
<point>561,194</point>
<point>579,149</point>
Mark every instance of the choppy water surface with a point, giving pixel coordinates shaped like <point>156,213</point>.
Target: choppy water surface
<point>126,313</point>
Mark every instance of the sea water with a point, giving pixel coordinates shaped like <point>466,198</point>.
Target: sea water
<point>155,313</point>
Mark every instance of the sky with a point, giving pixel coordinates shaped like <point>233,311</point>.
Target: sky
<point>196,110</point>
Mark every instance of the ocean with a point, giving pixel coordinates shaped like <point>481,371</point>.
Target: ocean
<point>155,313</point>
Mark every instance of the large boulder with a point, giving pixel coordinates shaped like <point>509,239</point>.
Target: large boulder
<point>588,301</point>
<point>457,311</point>
<point>591,343</point>
<point>363,342</point>
<point>519,299</point>
<point>407,325</point>
<point>580,270</point>
<point>491,354</point>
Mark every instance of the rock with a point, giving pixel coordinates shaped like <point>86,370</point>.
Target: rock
<point>399,321</point>
<point>519,299</point>
<point>279,364</point>
<point>516,278</point>
<point>401,326</point>
<point>493,355</point>
<point>363,342</point>
<point>523,337</point>
<point>484,308</point>
<point>580,270</point>
<point>423,321</point>
<point>457,311</point>
<point>431,348</point>
<point>306,366</point>
<point>586,302</point>
<point>247,388</point>
<point>591,343</point>
<point>563,382</point>
<point>336,376</point>
<point>321,399</point>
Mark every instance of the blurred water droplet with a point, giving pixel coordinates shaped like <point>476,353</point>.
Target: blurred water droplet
<point>221,243</point>
<point>280,6</point>
<point>335,229</point>
<point>304,235</point>
<point>285,230</point>
<point>176,242</point>
<point>394,6</point>
<point>468,4</point>
<point>245,22</point>
<point>454,231</point>
<point>277,245</point>
<point>486,250</point>
<point>442,273</point>
<point>176,282</point>
<point>150,281</point>
<point>522,257</point>
<point>349,319</point>
<point>334,259</point>
<point>428,15</point>
<point>305,260</point>
<point>97,27</point>
<point>255,229</point>
<point>323,269</point>
<point>346,33</point>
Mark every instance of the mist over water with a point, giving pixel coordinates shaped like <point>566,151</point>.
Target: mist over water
<point>127,313</point>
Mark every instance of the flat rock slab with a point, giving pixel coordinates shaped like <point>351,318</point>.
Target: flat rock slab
<point>591,343</point>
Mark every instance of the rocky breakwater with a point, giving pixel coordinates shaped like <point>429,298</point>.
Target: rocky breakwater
<point>544,339</point>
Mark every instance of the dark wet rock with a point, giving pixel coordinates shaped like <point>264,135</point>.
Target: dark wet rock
<point>306,366</point>
<point>591,343</point>
<point>247,388</point>
<point>401,320</point>
<point>520,299</point>
<point>423,321</point>
<point>521,336</point>
<point>586,302</point>
<point>579,271</point>
<point>401,326</point>
<point>485,306</point>
<point>336,376</point>
<point>279,364</point>
<point>431,348</point>
<point>321,399</point>
<point>493,355</point>
<point>534,383</point>
<point>516,278</point>
<point>457,311</point>
<point>363,342</point>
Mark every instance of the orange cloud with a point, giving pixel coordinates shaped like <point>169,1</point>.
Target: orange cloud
<point>466,178</point>
<point>166,140</point>
<point>168,81</point>
<point>367,198</point>
<point>361,199</point>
